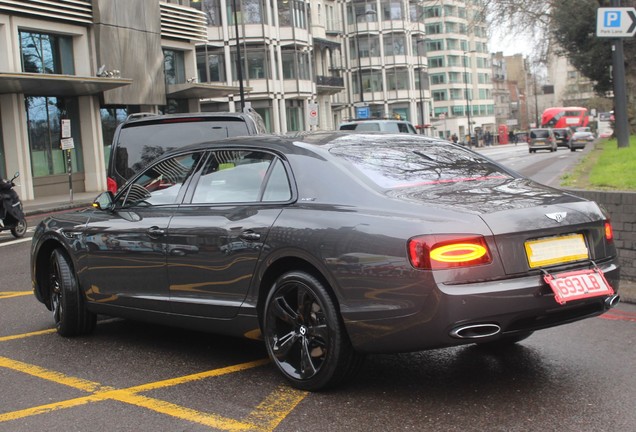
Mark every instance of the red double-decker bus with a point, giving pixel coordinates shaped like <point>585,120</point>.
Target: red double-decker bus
<point>564,117</point>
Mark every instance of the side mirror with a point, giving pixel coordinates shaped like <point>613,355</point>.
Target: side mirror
<point>104,201</point>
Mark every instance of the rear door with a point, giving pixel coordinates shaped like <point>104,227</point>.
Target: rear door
<point>215,240</point>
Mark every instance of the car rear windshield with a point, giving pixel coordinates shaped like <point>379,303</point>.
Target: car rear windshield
<point>539,133</point>
<point>414,162</point>
<point>139,144</point>
<point>361,127</point>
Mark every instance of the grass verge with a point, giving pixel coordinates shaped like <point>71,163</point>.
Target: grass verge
<point>605,167</point>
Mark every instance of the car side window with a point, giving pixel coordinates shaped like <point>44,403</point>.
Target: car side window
<point>239,176</point>
<point>161,183</point>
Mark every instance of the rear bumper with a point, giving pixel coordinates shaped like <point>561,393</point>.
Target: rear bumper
<point>513,305</point>
<point>579,145</point>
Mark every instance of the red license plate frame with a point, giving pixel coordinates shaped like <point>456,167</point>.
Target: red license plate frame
<point>580,284</point>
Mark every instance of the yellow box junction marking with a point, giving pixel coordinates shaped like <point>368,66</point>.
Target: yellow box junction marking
<point>265,417</point>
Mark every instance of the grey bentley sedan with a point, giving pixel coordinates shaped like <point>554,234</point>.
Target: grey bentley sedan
<point>330,246</point>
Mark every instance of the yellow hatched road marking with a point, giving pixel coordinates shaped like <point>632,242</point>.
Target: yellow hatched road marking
<point>26,335</point>
<point>10,294</point>
<point>266,417</point>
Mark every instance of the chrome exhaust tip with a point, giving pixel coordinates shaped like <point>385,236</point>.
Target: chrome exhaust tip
<point>475,331</point>
<point>612,301</point>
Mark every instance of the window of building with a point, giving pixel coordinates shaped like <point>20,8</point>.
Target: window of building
<point>394,44</point>
<point>211,9</point>
<point>46,53</point>
<point>392,10</point>
<point>369,46</point>
<point>397,79</point>
<point>452,44</point>
<point>458,110</point>
<point>456,94</point>
<point>174,66</point>
<point>294,113</point>
<point>433,12</point>
<point>451,27</point>
<point>439,95</point>
<point>439,78</point>
<point>440,110</point>
<point>211,66</point>
<point>257,64</point>
<point>416,12</point>
<point>292,13</point>
<point>421,76</point>
<point>247,12</point>
<point>295,64</point>
<point>455,77</point>
<point>371,82</point>
<point>453,60</point>
<point>44,116</point>
<point>434,45</point>
<point>436,62</point>
<point>436,28</point>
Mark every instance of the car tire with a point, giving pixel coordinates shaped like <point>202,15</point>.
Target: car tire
<point>506,341</point>
<point>304,334</point>
<point>67,304</point>
<point>572,149</point>
<point>20,228</point>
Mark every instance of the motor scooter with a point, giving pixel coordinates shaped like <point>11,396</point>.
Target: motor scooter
<point>11,213</point>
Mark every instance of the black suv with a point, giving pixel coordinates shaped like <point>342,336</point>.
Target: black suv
<point>144,137</point>
<point>562,136</point>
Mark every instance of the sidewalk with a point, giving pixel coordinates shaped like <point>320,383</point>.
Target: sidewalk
<point>84,199</point>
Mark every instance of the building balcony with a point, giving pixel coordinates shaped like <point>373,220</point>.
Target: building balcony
<point>329,84</point>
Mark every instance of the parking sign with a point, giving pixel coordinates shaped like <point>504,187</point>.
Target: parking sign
<point>616,22</point>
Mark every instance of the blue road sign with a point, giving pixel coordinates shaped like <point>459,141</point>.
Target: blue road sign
<point>616,22</point>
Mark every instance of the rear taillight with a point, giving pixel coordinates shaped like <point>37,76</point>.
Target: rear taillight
<point>111,185</point>
<point>436,252</point>
<point>609,232</point>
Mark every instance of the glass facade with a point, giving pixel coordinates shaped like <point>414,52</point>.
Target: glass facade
<point>46,53</point>
<point>174,66</point>
<point>44,116</point>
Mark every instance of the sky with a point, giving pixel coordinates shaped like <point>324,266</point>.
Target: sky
<point>510,44</point>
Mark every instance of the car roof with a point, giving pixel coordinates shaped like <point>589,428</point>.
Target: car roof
<point>152,118</point>
<point>288,143</point>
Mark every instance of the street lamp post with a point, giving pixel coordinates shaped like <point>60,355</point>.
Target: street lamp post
<point>355,21</point>
<point>239,67</point>
<point>419,72</point>
<point>470,130</point>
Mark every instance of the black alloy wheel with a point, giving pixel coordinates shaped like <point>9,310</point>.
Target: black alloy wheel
<point>70,316</point>
<point>304,334</point>
<point>19,229</point>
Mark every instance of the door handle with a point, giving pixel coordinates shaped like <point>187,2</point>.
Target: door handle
<point>250,235</point>
<point>155,231</point>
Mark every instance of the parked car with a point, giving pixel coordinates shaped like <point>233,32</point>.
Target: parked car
<point>562,136</point>
<point>330,246</point>
<point>144,137</point>
<point>578,140</point>
<point>377,125</point>
<point>541,139</point>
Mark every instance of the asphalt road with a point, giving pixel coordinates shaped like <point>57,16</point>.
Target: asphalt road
<point>138,377</point>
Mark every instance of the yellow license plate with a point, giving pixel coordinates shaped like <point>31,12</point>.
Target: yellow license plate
<point>556,250</point>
